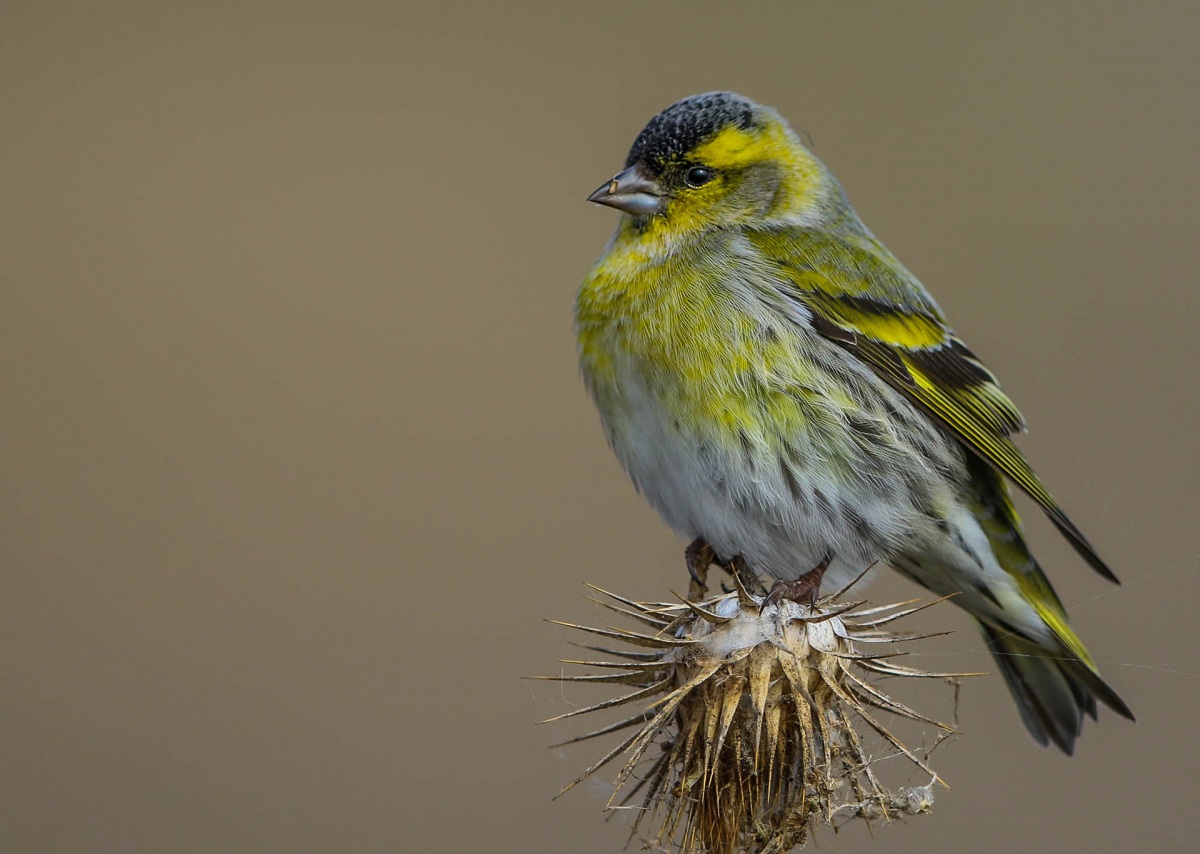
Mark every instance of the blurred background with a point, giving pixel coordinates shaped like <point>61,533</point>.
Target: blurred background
<point>295,455</point>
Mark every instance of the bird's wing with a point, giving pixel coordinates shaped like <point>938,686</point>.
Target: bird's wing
<point>866,302</point>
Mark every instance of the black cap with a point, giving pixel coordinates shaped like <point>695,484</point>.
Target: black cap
<point>685,124</point>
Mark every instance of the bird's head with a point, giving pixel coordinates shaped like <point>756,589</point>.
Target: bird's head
<point>716,160</point>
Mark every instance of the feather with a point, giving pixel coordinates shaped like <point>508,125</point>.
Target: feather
<point>890,322</point>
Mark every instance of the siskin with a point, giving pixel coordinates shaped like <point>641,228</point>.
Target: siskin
<point>790,398</point>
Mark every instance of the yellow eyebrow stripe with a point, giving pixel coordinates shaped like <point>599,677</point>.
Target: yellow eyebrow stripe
<point>734,148</point>
<point>729,148</point>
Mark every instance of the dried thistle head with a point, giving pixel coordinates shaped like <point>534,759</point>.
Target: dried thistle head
<point>753,708</point>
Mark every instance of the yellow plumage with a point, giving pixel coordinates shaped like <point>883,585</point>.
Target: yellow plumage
<point>782,389</point>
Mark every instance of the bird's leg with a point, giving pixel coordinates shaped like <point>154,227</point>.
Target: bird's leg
<point>746,576</point>
<point>804,589</point>
<point>699,555</point>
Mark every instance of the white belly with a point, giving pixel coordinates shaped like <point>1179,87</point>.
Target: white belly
<point>740,501</point>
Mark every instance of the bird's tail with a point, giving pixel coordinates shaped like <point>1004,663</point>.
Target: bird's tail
<point>1053,689</point>
<point>1052,678</point>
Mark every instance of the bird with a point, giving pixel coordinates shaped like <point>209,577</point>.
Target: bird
<point>789,397</point>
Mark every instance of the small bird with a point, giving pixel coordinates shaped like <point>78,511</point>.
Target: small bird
<point>788,396</point>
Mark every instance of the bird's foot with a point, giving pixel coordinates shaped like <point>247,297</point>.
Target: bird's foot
<point>699,556</point>
<point>746,577</point>
<point>804,590</point>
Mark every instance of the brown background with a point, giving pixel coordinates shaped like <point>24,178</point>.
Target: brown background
<point>295,457</point>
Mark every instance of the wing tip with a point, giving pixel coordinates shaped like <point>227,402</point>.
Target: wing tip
<point>1086,550</point>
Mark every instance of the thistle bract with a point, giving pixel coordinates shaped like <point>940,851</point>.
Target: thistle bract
<point>754,711</point>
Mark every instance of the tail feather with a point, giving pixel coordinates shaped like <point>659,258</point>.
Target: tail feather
<point>1054,682</point>
<point>1053,690</point>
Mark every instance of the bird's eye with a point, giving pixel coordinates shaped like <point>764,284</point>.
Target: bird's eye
<point>698,176</point>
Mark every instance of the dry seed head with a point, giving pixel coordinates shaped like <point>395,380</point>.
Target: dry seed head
<point>751,710</point>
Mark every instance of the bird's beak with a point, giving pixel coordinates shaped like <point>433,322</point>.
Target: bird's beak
<point>629,192</point>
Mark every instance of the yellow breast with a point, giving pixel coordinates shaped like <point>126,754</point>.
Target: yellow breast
<point>691,328</point>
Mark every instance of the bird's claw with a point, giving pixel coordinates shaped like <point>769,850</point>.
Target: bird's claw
<point>804,590</point>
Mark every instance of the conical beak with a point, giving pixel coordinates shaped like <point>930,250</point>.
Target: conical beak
<point>629,192</point>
